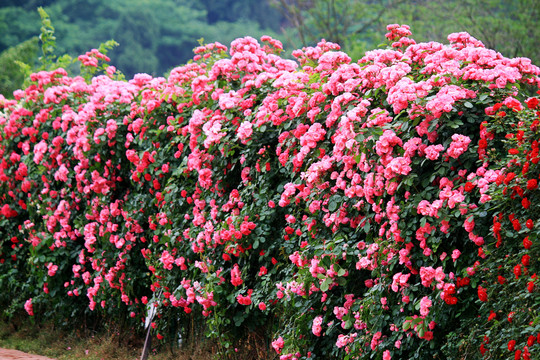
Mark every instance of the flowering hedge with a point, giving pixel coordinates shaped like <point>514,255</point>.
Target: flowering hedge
<point>381,209</point>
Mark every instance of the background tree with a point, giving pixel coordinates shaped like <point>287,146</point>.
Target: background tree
<point>12,62</point>
<point>351,23</point>
<point>508,26</point>
<point>261,12</point>
<point>154,36</point>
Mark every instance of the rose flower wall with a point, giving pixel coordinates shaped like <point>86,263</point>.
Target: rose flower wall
<point>381,209</point>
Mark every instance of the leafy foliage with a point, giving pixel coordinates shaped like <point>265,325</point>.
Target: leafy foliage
<point>13,61</point>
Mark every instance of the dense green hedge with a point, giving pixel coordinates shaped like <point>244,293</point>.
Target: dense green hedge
<point>385,208</point>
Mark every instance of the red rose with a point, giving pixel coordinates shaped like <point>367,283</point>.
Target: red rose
<point>469,186</point>
<point>532,103</point>
<point>511,316</point>
<point>482,294</point>
<point>517,270</point>
<point>509,177</point>
<point>525,168</point>
<point>511,345</point>
<point>483,349</point>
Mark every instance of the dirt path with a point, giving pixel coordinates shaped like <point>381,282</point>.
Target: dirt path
<point>7,354</point>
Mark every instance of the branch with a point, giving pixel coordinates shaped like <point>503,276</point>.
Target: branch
<point>377,17</point>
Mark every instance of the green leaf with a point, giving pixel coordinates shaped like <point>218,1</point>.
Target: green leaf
<point>325,284</point>
<point>334,203</point>
<point>405,126</point>
<point>406,325</point>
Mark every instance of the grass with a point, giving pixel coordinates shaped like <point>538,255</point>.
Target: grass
<point>108,345</point>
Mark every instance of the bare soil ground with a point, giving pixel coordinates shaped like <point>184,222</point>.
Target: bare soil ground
<point>7,354</point>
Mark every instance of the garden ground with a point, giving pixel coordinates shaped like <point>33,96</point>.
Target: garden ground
<point>22,340</point>
<point>9,354</point>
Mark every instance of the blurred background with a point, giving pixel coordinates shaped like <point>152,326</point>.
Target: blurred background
<point>157,35</point>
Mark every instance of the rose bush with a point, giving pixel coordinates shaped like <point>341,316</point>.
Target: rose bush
<point>385,208</point>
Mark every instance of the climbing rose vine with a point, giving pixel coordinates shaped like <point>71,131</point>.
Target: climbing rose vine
<point>384,208</point>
